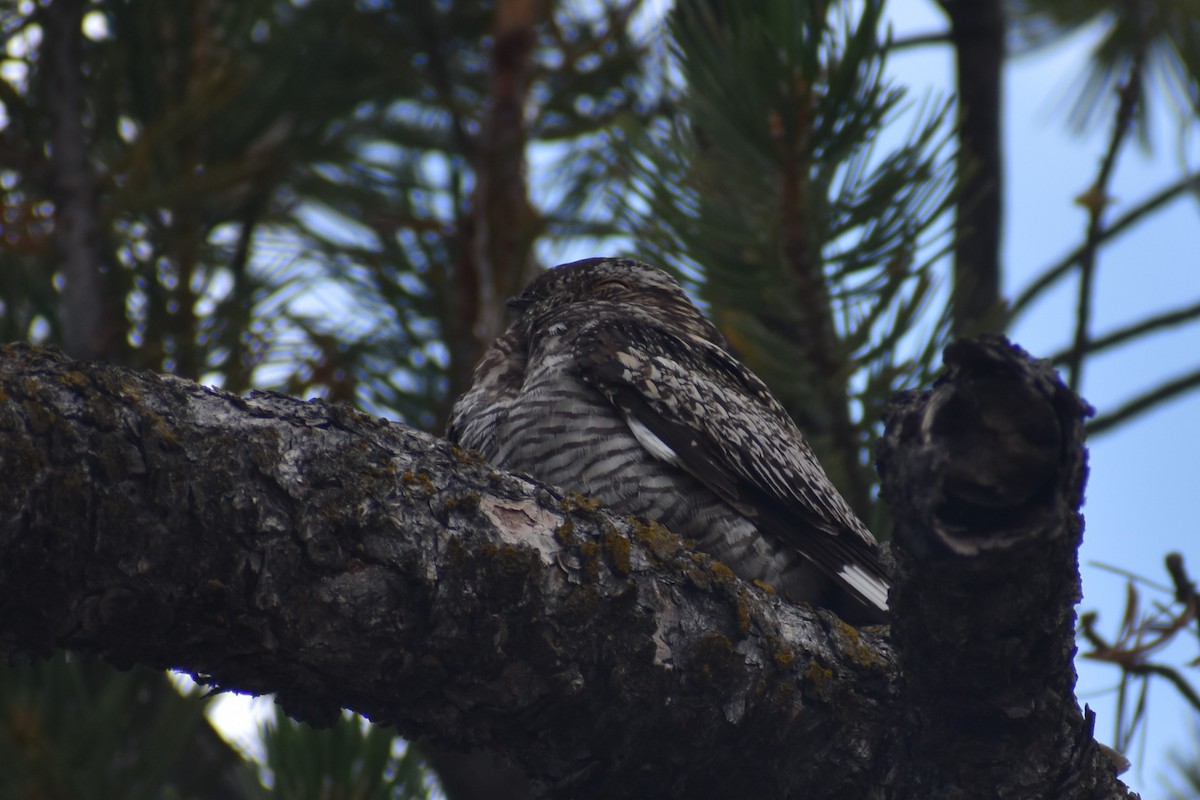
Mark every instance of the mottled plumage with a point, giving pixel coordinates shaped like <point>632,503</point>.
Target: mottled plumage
<point>612,382</point>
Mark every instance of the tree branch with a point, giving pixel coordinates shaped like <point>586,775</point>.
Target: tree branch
<point>1146,401</point>
<point>270,545</point>
<point>88,330</point>
<point>920,40</point>
<point>977,32</point>
<point>1053,274</point>
<point>1167,319</point>
<point>984,475</point>
<point>1095,201</point>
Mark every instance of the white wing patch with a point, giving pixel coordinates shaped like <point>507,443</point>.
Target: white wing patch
<point>654,445</point>
<point>872,589</point>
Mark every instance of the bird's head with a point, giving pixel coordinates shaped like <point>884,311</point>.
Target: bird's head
<point>637,287</point>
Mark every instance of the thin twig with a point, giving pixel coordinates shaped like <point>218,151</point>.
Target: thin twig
<point>1172,675</point>
<point>1129,96</point>
<point>1130,575</point>
<point>1053,274</point>
<point>1144,402</point>
<point>1185,590</point>
<point>1138,638</point>
<point>920,40</point>
<point>1122,335</point>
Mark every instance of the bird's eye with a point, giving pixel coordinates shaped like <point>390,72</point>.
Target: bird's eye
<point>609,284</point>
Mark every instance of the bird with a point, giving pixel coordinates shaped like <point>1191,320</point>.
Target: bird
<point>610,381</point>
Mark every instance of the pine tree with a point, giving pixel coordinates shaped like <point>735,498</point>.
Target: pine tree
<point>335,199</point>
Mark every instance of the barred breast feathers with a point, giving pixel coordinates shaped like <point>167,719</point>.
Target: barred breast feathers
<point>631,333</point>
<point>495,384</point>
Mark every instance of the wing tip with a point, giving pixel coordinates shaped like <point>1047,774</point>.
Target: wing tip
<point>870,588</point>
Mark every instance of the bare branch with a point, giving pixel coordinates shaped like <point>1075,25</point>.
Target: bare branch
<point>1056,272</point>
<point>920,40</point>
<point>1145,402</point>
<point>1158,322</point>
<point>1096,201</point>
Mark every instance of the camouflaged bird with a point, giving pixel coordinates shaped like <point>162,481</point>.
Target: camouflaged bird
<point>611,382</point>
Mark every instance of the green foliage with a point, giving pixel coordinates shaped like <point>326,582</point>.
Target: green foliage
<point>72,729</point>
<point>1154,43</point>
<point>417,184</point>
<point>770,192</point>
<point>290,193</point>
<point>350,761</point>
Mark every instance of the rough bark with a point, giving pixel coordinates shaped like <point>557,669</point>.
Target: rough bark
<point>269,545</point>
<point>985,476</point>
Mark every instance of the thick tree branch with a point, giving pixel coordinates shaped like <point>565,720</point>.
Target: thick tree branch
<point>269,545</point>
<point>984,475</point>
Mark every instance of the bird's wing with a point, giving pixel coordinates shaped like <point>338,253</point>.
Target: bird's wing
<point>690,403</point>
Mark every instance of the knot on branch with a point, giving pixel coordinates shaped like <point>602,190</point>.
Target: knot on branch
<point>984,475</point>
<point>984,450</point>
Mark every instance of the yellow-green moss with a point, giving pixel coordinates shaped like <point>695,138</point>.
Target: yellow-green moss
<point>161,429</point>
<point>661,543</point>
<point>846,629</point>
<point>467,502</point>
<point>617,548</point>
<point>466,456</point>
<point>818,676</point>
<point>574,501</point>
<point>766,587</point>
<point>591,560</point>
<point>565,533</point>
<point>850,641</point>
<point>418,479</point>
<point>75,379</point>
<point>723,574</point>
<point>783,656</point>
<point>40,418</point>
<point>743,615</point>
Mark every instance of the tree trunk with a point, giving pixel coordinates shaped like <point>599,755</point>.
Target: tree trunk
<point>977,33</point>
<point>88,332</point>
<point>269,545</point>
